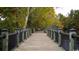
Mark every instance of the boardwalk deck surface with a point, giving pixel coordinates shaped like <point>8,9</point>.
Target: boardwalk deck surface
<point>39,41</point>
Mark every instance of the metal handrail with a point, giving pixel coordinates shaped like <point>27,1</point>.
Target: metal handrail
<point>62,32</point>
<point>75,36</point>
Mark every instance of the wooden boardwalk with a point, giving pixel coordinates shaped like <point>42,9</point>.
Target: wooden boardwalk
<point>39,41</point>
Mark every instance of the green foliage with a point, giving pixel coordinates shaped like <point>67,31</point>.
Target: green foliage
<point>74,19</point>
<point>71,21</point>
<point>21,17</point>
<point>41,17</point>
<point>64,20</point>
<point>14,17</point>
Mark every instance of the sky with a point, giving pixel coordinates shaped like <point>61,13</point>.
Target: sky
<point>62,10</point>
<point>65,5</point>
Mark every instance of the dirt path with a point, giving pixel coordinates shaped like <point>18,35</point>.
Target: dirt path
<point>39,41</point>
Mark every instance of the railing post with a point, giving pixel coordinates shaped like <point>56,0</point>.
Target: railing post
<point>51,33</point>
<point>54,34</point>
<point>23,35</point>
<point>26,34</point>
<point>5,40</point>
<point>47,32</point>
<point>18,33</point>
<point>71,42</point>
<point>30,31</point>
<point>59,37</point>
<point>33,30</point>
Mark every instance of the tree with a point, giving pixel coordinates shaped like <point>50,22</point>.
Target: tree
<point>71,21</point>
<point>41,17</point>
<point>75,19</point>
<point>14,17</point>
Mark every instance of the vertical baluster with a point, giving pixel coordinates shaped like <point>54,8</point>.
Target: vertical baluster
<point>59,37</point>
<point>5,40</point>
<point>54,34</point>
<point>18,38</point>
<point>23,35</point>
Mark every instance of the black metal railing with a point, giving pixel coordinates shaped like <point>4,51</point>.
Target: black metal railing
<point>76,41</point>
<point>13,39</point>
<point>25,34</point>
<point>20,36</point>
<point>56,36</point>
<point>66,40</point>
<point>1,41</point>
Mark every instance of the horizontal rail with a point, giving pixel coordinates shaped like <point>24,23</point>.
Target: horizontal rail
<point>64,33</point>
<point>75,36</point>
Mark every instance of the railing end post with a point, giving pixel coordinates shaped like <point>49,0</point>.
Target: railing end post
<point>71,40</point>
<point>59,37</point>
<point>18,33</point>
<point>5,40</point>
